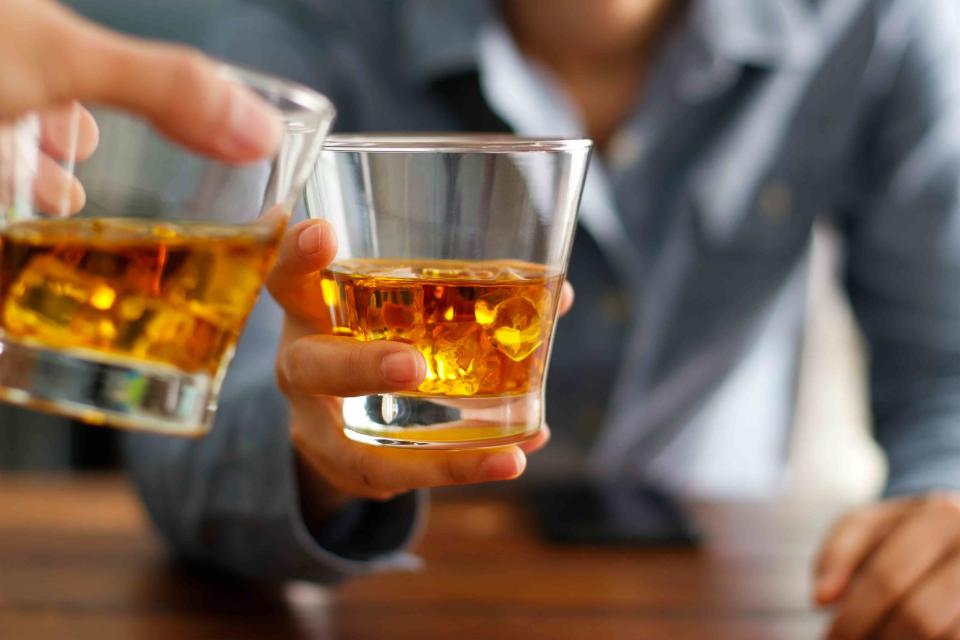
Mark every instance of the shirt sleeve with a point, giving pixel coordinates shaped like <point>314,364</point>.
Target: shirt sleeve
<point>231,499</point>
<point>903,261</point>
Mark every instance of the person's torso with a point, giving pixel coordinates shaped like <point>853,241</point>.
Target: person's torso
<point>740,140</point>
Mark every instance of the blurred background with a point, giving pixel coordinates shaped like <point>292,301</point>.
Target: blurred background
<point>831,451</point>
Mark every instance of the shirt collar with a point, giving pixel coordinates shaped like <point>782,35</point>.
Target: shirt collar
<point>762,33</point>
<point>441,37</point>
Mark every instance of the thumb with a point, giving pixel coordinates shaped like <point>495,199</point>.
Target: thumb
<point>849,543</point>
<point>182,92</point>
<point>306,248</point>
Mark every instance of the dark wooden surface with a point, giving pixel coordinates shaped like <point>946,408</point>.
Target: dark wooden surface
<point>77,560</point>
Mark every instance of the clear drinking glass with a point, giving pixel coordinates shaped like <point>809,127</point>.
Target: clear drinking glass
<point>126,277</point>
<point>457,245</point>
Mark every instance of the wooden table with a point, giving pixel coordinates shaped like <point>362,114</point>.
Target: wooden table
<point>77,560</point>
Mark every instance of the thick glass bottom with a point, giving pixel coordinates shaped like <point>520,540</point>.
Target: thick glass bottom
<point>101,390</point>
<point>442,422</point>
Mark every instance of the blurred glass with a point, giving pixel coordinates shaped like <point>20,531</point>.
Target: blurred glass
<point>126,278</point>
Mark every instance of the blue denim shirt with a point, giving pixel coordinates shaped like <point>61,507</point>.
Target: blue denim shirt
<point>759,117</point>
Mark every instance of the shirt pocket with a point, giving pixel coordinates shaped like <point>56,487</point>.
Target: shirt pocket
<point>768,214</point>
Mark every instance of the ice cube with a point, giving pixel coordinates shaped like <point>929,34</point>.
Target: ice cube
<point>459,359</point>
<point>436,273</point>
<point>392,313</point>
<point>516,329</point>
<point>399,273</point>
<point>58,303</point>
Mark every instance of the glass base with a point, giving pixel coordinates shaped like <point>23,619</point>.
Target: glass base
<point>442,422</point>
<point>100,390</point>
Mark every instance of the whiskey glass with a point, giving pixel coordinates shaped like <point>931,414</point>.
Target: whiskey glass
<point>457,245</point>
<point>126,276</point>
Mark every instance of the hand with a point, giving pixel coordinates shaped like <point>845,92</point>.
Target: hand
<point>50,57</point>
<point>315,371</point>
<point>893,569</point>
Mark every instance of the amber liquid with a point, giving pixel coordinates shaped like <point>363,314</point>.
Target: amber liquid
<point>483,327</point>
<point>174,294</point>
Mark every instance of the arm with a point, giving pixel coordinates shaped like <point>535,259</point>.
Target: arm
<point>243,498</point>
<point>234,497</point>
<point>277,489</point>
<point>892,567</point>
<point>903,269</point>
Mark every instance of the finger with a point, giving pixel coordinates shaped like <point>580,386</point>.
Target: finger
<point>931,609</point>
<point>848,544</point>
<point>69,133</point>
<point>339,366</point>
<point>908,553</point>
<point>305,249</point>
<point>57,192</point>
<point>537,442</point>
<point>180,91</point>
<point>954,632</point>
<point>382,472</point>
<point>566,298</point>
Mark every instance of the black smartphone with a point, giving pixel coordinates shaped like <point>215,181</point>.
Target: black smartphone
<point>583,512</point>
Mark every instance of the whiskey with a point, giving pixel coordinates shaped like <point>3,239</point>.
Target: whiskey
<point>173,294</point>
<point>483,327</point>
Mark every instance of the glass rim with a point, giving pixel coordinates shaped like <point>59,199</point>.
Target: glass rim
<point>312,106</point>
<point>451,143</point>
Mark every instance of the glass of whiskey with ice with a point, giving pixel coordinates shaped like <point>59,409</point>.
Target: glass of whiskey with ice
<point>128,265</point>
<point>457,245</point>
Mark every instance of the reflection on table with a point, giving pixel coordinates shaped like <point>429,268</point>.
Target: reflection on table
<point>77,560</point>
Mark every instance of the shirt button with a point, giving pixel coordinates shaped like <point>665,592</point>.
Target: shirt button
<point>623,149</point>
<point>775,200</point>
<point>613,305</point>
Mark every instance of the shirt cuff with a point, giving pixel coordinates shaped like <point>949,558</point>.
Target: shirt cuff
<point>365,536</point>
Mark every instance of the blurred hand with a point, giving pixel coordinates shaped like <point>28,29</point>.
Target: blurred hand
<point>893,570</point>
<point>316,371</point>
<point>50,57</point>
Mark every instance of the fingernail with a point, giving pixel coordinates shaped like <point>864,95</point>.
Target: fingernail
<point>310,240</point>
<point>504,465</point>
<point>255,128</point>
<point>826,586</point>
<point>401,368</point>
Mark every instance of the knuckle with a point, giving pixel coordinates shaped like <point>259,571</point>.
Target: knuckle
<point>306,441</point>
<point>454,472</point>
<point>835,542</point>
<point>283,382</point>
<point>357,362</point>
<point>885,583</point>
<point>844,524</point>
<point>58,65</point>
<point>279,370</point>
<point>298,438</point>
<point>341,476</point>
<point>849,625</point>
<point>273,279</point>
<point>857,516</point>
<point>193,74</point>
<point>915,623</point>
<point>343,485</point>
<point>287,363</point>
<point>942,505</point>
<point>192,69</point>
<point>953,579</point>
<point>368,474</point>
